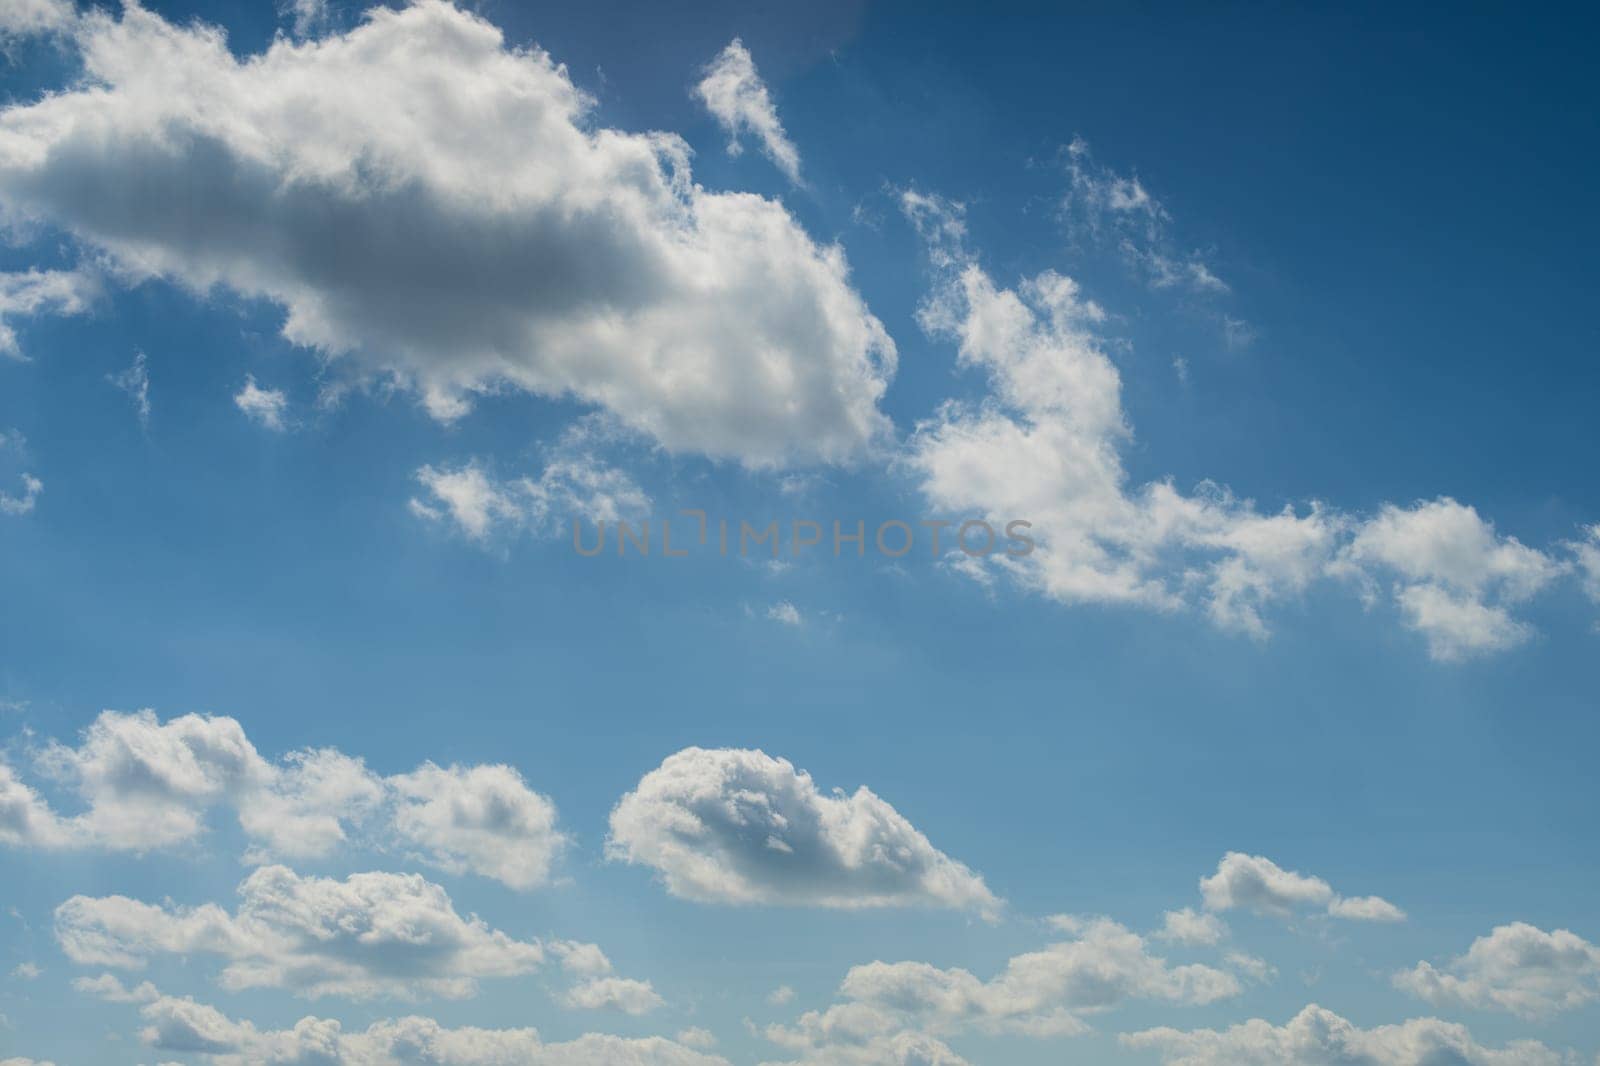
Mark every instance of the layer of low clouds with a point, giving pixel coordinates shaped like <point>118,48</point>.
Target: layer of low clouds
<point>454,220</point>
<point>736,96</point>
<point>146,785</point>
<point>181,1025</point>
<point>744,827</point>
<point>1318,1037</point>
<point>1040,994</point>
<point>366,936</point>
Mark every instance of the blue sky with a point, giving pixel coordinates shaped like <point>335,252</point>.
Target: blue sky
<point>320,743</point>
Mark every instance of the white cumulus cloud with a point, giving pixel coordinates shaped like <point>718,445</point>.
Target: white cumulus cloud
<point>1256,883</point>
<point>431,206</point>
<point>145,785</point>
<point>369,935</point>
<point>732,826</point>
<point>1518,968</point>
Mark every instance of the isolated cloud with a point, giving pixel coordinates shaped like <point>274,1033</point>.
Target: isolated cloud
<point>369,935</point>
<point>135,381</point>
<point>1256,883</point>
<point>735,94</point>
<point>265,407</point>
<point>613,993</point>
<point>147,785</point>
<point>575,484</point>
<point>785,613</point>
<point>1115,210</point>
<point>1517,968</point>
<point>1319,1037</point>
<point>429,205</point>
<point>1040,994</point>
<point>731,826</point>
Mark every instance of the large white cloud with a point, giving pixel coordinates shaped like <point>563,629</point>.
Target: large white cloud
<point>147,785</point>
<point>732,826</point>
<point>1319,1037</point>
<point>1518,968</point>
<point>369,935</point>
<point>735,94</point>
<point>1256,883</point>
<point>429,203</point>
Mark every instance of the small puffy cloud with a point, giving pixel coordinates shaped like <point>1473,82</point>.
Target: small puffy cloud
<point>1366,909</point>
<point>480,818</point>
<point>1517,968</point>
<point>369,935</point>
<point>1040,994</point>
<point>613,993</point>
<point>697,1037</point>
<point>1256,883</point>
<point>108,988</point>
<point>737,97</point>
<point>784,613</point>
<point>780,996</point>
<point>1319,1037</point>
<point>454,221</point>
<point>743,827</point>
<point>264,407</point>
<point>1192,928</point>
<point>1454,577</point>
<point>147,785</point>
<point>27,971</point>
